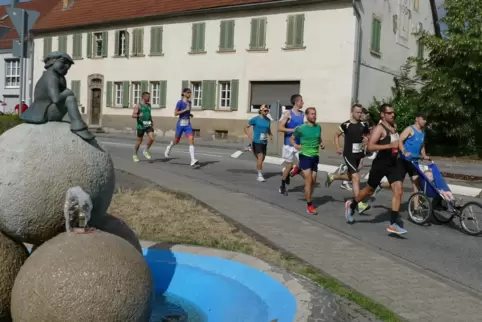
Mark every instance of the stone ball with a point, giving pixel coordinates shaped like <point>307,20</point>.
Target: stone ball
<point>12,256</point>
<point>118,227</point>
<point>93,276</point>
<point>39,164</point>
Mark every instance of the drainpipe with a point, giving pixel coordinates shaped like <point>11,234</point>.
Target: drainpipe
<point>31,61</point>
<point>358,52</point>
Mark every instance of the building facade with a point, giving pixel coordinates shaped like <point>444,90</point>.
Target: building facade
<point>234,59</point>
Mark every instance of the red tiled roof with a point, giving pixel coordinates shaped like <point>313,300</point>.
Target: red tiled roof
<point>86,12</point>
<point>42,6</point>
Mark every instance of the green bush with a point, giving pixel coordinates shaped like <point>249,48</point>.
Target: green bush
<point>8,121</point>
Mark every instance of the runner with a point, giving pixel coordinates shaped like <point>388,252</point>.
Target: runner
<point>309,135</point>
<point>384,139</point>
<point>183,110</point>
<point>261,131</point>
<point>142,113</point>
<point>289,121</point>
<point>412,146</point>
<point>356,135</point>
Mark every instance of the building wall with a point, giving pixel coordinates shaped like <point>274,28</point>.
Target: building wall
<point>324,67</point>
<point>378,70</point>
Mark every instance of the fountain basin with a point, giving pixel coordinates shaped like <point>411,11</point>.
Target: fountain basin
<point>200,288</point>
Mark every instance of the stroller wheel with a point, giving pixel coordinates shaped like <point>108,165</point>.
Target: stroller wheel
<point>471,218</point>
<point>419,208</point>
<point>440,213</point>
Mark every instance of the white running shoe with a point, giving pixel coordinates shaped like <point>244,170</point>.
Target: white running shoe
<point>346,185</point>
<point>194,163</point>
<point>373,156</point>
<point>260,178</point>
<point>167,152</point>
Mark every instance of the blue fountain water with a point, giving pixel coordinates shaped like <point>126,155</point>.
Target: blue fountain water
<point>196,288</point>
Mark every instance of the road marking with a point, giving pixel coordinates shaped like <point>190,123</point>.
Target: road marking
<point>236,154</point>
<point>160,149</point>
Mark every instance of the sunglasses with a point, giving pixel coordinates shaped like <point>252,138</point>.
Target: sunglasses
<point>389,113</point>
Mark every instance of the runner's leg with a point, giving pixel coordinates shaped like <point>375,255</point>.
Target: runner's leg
<point>190,139</point>
<point>140,134</point>
<point>288,155</point>
<point>309,167</point>
<point>177,138</point>
<point>395,178</point>
<point>150,140</point>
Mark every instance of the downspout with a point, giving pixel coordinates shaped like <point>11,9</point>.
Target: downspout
<point>358,53</point>
<point>31,61</point>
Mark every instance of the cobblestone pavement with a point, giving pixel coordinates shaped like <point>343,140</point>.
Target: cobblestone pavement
<point>413,292</point>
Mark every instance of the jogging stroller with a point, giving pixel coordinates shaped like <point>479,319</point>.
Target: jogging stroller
<point>435,201</point>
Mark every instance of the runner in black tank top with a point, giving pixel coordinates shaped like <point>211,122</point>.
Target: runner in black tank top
<point>384,139</point>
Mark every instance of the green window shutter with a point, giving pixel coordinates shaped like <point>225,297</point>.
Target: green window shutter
<point>376,35</point>
<point>140,42</point>
<point>234,94</point>
<point>116,43</point>
<point>75,85</point>
<point>208,94</point>
<point>144,86</point>
<point>226,41</point>
<point>185,84</point>
<point>156,40</point>
<point>134,42</point>
<point>262,33</point>
<point>163,94</point>
<point>108,100</point>
<point>47,46</point>
<point>258,34</point>
<point>295,31</point>
<point>89,45</point>
<point>77,46</point>
<point>128,36</point>
<point>125,98</point>
<point>198,34</point>
<point>62,43</point>
<point>105,43</point>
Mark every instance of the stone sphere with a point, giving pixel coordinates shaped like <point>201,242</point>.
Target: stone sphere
<point>118,227</point>
<point>94,276</point>
<point>12,256</point>
<point>39,164</point>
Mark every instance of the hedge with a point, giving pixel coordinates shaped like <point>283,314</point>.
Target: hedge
<point>8,121</point>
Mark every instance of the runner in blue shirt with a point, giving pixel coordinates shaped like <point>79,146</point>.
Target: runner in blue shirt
<point>261,132</point>
<point>183,111</point>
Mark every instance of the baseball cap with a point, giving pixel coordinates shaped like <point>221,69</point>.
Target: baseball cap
<point>185,90</point>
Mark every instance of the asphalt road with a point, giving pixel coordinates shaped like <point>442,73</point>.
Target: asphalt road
<point>439,248</point>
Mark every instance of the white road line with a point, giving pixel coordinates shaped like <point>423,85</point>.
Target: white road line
<point>160,149</point>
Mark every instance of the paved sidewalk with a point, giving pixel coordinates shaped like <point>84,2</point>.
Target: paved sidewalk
<point>408,290</point>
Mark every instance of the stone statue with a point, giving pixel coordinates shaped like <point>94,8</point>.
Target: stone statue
<point>52,98</point>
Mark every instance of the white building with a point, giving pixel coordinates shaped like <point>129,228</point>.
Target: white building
<point>234,57</point>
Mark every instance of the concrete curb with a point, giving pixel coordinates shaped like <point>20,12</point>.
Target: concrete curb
<point>302,296</point>
<point>456,189</point>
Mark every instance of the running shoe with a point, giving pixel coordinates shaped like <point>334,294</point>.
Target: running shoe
<point>373,156</point>
<point>194,163</point>
<point>362,207</point>
<point>346,185</point>
<point>377,190</point>
<point>260,178</point>
<point>348,212</point>
<point>341,169</point>
<point>147,154</point>
<point>135,158</point>
<point>167,152</point>
<point>282,190</point>
<point>396,229</point>
<point>329,179</point>
<point>311,210</point>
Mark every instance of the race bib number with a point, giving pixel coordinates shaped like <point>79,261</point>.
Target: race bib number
<point>147,123</point>
<point>184,122</point>
<point>357,148</point>
<point>263,137</point>
<point>393,138</point>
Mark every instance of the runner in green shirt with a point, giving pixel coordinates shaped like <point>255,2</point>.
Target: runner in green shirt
<point>309,147</point>
<point>142,113</point>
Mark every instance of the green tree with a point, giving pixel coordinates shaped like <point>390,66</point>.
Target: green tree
<point>451,75</point>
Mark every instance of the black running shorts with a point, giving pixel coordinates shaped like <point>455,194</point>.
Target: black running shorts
<point>393,173</point>
<point>352,162</point>
<point>259,148</point>
<point>140,133</point>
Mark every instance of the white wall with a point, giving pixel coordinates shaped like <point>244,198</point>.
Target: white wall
<point>377,72</point>
<point>324,68</point>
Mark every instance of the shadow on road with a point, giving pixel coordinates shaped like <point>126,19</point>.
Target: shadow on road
<point>266,175</point>
<point>200,164</point>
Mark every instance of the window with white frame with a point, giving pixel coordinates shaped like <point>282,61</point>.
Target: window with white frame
<point>155,94</point>
<point>98,44</point>
<point>12,73</point>
<point>119,94</point>
<point>197,92</point>
<point>136,93</point>
<point>121,50</point>
<point>224,95</point>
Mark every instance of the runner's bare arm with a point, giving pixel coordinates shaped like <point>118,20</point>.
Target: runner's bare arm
<point>282,123</point>
<point>374,138</point>
<point>423,153</point>
<point>135,111</point>
<point>178,112</point>
<point>405,135</point>
<point>336,138</point>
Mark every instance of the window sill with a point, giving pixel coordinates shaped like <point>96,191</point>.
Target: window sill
<point>226,109</point>
<point>77,58</point>
<point>375,53</point>
<point>226,51</point>
<point>119,56</point>
<point>293,48</point>
<point>137,56</point>
<point>257,50</point>
<point>156,55</point>
<point>96,57</point>
<point>197,108</point>
<point>197,52</point>
<point>157,107</point>
<point>12,87</point>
